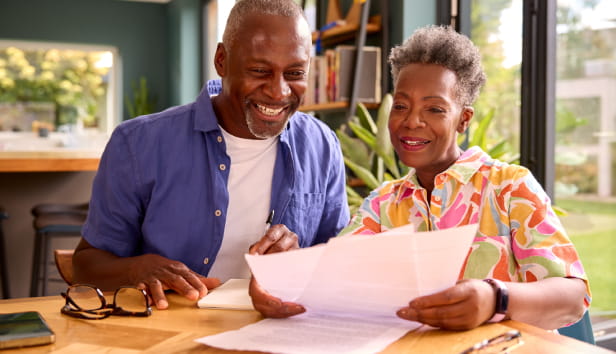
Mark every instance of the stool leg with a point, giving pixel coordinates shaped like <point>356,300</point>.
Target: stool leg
<point>36,257</point>
<point>45,250</point>
<point>5,280</point>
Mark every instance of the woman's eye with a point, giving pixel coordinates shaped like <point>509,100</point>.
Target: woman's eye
<point>436,110</point>
<point>398,107</point>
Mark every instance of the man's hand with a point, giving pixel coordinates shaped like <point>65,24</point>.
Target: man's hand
<point>466,305</point>
<point>271,306</point>
<point>155,274</point>
<point>276,239</point>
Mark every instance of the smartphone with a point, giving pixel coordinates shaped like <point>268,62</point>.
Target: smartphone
<point>24,329</point>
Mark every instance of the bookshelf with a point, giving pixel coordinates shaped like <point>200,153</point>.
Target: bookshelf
<point>355,26</point>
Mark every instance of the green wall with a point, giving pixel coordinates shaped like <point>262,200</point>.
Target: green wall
<point>185,48</point>
<point>139,31</point>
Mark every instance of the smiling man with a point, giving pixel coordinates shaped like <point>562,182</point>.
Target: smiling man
<point>181,195</point>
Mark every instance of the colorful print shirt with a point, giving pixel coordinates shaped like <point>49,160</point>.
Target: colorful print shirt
<point>520,238</point>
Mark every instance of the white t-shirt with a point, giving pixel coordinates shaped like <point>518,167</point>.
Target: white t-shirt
<point>250,188</point>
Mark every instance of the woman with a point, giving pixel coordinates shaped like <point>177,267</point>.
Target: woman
<point>522,265</point>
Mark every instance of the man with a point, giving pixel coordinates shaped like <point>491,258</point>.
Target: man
<point>184,193</point>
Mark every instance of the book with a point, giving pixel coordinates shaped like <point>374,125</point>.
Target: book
<point>24,329</point>
<point>368,82</point>
<point>232,295</point>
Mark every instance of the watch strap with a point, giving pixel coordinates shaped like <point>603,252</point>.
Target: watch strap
<point>502,299</point>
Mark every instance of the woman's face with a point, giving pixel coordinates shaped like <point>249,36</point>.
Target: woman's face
<point>426,118</point>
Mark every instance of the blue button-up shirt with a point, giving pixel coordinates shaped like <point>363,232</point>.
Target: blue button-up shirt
<point>159,188</point>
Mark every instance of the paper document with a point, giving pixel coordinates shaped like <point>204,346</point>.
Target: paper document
<point>351,288</point>
<point>232,295</point>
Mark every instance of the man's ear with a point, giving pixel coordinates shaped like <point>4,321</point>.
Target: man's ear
<point>220,58</point>
<point>465,119</point>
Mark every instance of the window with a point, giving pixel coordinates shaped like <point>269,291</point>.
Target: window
<point>585,151</point>
<point>58,87</point>
<point>496,28</point>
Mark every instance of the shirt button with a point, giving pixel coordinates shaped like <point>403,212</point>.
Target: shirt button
<point>222,167</point>
<point>219,139</point>
<point>218,212</point>
<point>206,260</point>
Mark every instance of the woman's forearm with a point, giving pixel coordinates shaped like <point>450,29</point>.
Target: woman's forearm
<point>549,303</point>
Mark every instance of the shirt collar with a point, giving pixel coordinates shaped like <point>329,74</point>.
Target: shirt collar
<point>469,162</point>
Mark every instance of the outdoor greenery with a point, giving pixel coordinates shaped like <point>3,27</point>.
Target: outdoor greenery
<point>592,229</point>
<point>69,79</point>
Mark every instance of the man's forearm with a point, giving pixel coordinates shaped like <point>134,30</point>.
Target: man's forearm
<point>101,268</point>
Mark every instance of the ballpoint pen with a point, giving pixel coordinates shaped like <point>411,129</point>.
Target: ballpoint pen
<point>269,220</point>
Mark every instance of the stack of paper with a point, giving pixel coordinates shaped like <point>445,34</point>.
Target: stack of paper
<point>351,288</point>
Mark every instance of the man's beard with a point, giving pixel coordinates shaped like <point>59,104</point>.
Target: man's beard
<point>262,129</point>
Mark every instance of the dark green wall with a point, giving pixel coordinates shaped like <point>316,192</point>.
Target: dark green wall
<point>185,48</point>
<point>139,31</point>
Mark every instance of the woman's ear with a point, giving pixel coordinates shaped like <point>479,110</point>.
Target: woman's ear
<point>465,118</point>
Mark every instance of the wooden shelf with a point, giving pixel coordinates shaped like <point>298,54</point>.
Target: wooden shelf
<point>333,106</point>
<point>345,32</point>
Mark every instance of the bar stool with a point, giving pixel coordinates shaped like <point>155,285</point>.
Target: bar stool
<point>3,270</point>
<point>52,221</point>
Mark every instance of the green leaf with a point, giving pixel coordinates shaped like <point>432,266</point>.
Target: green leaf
<point>384,147</point>
<point>365,135</point>
<point>498,150</point>
<point>365,119</point>
<point>362,173</point>
<point>354,149</point>
<point>478,137</point>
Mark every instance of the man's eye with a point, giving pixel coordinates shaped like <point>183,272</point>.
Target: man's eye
<point>296,75</point>
<point>259,71</point>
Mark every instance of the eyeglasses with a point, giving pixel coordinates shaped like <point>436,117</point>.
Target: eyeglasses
<point>503,343</point>
<point>88,302</point>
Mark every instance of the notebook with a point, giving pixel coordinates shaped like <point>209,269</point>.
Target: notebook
<point>232,295</point>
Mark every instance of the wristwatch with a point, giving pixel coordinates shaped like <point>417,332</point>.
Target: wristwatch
<point>502,299</point>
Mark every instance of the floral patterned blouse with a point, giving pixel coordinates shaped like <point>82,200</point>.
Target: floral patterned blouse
<point>520,238</point>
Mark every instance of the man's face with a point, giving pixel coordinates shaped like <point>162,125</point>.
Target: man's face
<point>264,75</point>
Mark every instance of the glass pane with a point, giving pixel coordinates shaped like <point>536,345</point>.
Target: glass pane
<point>585,160</point>
<point>496,28</point>
<point>49,88</point>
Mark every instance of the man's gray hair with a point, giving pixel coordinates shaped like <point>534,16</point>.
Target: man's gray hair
<point>242,8</point>
<point>443,46</point>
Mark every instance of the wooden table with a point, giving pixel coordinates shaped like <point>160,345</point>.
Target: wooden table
<point>174,331</point>
<point>58,160</point>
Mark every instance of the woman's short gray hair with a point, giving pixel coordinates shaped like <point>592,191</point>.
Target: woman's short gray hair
<point>242,8</point>
<point>441,45</point>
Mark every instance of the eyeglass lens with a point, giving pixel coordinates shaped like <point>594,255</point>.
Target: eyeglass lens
<point>86,298</point>
<point>130,299</point>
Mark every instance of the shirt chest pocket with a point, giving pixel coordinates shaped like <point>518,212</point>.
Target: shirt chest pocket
<point>303,215</point>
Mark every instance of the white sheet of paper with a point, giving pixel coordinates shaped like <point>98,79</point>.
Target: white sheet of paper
<point>232,295</point>
<point>351,281</point>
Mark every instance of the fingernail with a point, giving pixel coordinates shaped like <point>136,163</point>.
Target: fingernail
<point>293,309</point>
<point>162,304</point>
<point>274,303</point>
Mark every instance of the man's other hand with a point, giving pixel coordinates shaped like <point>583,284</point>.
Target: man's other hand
<point>277,238</point>
<point>155,274</point>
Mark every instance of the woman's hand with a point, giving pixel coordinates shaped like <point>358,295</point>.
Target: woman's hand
<point>466,305</point>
